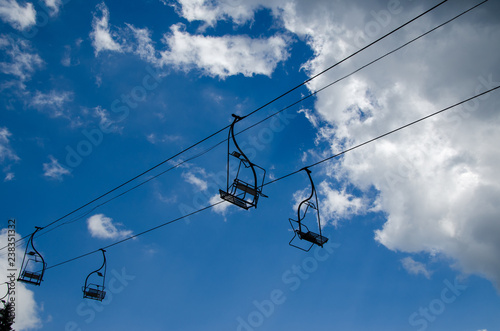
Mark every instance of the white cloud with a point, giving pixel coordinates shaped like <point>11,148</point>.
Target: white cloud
<point>192,178</point>
<point>338,204</point>
<point>216,56</point>
<point>53,103</point>
<point>223,56</point>
<point>238,11</point>
<point>23,61</point>
<point>436,182</point>
<point>54,170</point>
<point>102,38</point>
<point>102,227</point>
<point>9,176</point>
<point>220,208</point>
<point>27,309</point>
<point>415,268</point>
<point>19,17</point>
<point>144,48</point>
<point>54,5</point>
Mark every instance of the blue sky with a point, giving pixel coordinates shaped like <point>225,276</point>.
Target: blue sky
<point>94,93</point>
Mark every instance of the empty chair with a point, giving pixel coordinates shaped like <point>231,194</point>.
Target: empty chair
<point>33,265</point>
<point>95,291</point>
<point>301,230</point>
<point>241,192</point>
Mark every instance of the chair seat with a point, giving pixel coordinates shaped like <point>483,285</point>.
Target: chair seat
<point>92,293</point>
<point>235,200</point>
<point>312,237</point>
<point>32,275</point>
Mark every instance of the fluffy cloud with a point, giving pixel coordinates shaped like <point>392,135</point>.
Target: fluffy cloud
<point>27,310</point>
<point>216,56</point>
<point>19,17</point>
<point>436,181</point>
<point>22,60</point>
<point>221,207</point>
<point>54,170</point>
<point>223,56</point>
<point>102,38</point>
<point>338,204</point>
<point>102,227</point>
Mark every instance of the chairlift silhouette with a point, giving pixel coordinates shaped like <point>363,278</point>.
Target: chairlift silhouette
<point>92,290</point>
<point>33,270</point>
<point>301,230</point>
<point>240,193</point>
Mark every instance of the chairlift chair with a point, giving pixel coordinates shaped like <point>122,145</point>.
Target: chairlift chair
<point>96,291</point>
<point>33,270</point>
<point>240,193</point>
<point>301,230</point>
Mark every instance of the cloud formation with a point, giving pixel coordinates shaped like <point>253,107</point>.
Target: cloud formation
<point>52,103</point>
<point>193,179</point>
<point>435,182</point>
<point>54,170</point>
<point>19,17</point>
<point>22,60</point>
<point>101,36</point>
<point>102,227</point>
<point>215,56</point>
<point>223,56</point>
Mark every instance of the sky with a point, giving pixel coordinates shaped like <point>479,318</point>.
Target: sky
<point>94,93</point>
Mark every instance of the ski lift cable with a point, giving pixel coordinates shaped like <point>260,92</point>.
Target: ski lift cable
<point>136,186</point>
<point>346,58</point>
<point>282,177</point>
<point>294,103</point>
<point>20,241</point>
<point>382,135</point>
<point>249,114</point>
<point>248,128</point>
<point>137,235</point>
